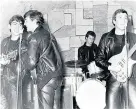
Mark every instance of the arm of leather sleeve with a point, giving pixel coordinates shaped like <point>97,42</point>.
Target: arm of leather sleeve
<point>95,51</point>
<point>4,51</point>
<point>101,56</point>
<point>80,57</point>
<point>32,54</point>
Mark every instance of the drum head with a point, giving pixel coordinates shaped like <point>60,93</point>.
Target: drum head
<point>91,95</point>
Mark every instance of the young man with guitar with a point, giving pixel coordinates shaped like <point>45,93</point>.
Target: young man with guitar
<point>13,51</point>
<point>116,56</point>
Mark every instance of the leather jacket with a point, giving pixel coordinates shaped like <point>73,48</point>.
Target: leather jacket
<point>9,73</point>
<point>44,55</point>
<point>106,49</point>
<point>116,92</point>
<point>87,54</point>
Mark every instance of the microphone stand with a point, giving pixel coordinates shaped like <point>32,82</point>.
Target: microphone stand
<point>127,85</point>
<point>18,72</point>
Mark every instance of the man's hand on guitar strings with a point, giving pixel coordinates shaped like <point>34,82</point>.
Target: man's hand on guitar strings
<point>117,73</point>
<point>114,68</point>
<point>4,60</point>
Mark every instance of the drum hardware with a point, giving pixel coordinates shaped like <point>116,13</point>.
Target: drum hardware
<point>90,92</point>
<point>76,63</point>
<point>73,80</point>
<point>76,78</point>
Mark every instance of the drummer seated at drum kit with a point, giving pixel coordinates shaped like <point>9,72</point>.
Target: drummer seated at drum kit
<point>87,53</point>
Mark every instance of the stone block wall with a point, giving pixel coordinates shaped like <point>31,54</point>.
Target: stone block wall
<point>69,20</point>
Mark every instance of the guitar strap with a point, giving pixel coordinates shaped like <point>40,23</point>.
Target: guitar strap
<point>131,51</point>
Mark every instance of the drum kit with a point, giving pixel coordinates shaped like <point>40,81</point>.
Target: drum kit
<point>89,94</point>
<point>75,78</point>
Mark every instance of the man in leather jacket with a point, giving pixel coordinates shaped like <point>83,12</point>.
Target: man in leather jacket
<point>44,59</point>
<point>87,52</point>
<point>13,64</point>
<point>119,95</point>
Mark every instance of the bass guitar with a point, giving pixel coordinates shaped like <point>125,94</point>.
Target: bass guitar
<point>125,62</point>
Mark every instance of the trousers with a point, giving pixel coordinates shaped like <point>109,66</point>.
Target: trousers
<point>35,98</point>
<point>121,95</point>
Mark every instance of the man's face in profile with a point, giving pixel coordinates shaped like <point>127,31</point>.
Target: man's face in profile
<point>29,23</point>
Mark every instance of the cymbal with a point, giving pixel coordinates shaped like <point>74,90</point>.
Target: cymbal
<point>76,63</point>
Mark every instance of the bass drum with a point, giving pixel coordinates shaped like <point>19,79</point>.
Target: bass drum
<point>91,95</point>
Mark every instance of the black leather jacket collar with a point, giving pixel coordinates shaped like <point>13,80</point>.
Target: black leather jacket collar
<point>105,49</point>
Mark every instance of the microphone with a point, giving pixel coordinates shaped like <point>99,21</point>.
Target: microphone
<point>125,27</point>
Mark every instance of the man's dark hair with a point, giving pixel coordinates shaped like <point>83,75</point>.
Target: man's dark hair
<point>117,12</point>
<point>17,18</point>
<point>90,33</point>
<point>34,14</point>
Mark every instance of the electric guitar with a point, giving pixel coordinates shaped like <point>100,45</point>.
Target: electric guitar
<point>121,60</point>
<point>10,56</point>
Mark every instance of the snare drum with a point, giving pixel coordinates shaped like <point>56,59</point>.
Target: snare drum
<point>74,80</point>
<point>91,95</point>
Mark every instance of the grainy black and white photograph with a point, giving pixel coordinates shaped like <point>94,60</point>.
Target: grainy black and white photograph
<point>70,54</point>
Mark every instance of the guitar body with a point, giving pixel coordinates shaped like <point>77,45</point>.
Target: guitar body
<point>121,61</point>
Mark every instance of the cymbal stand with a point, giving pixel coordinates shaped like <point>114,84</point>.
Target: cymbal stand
<point>75,69</point>
<point>127,85</point>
